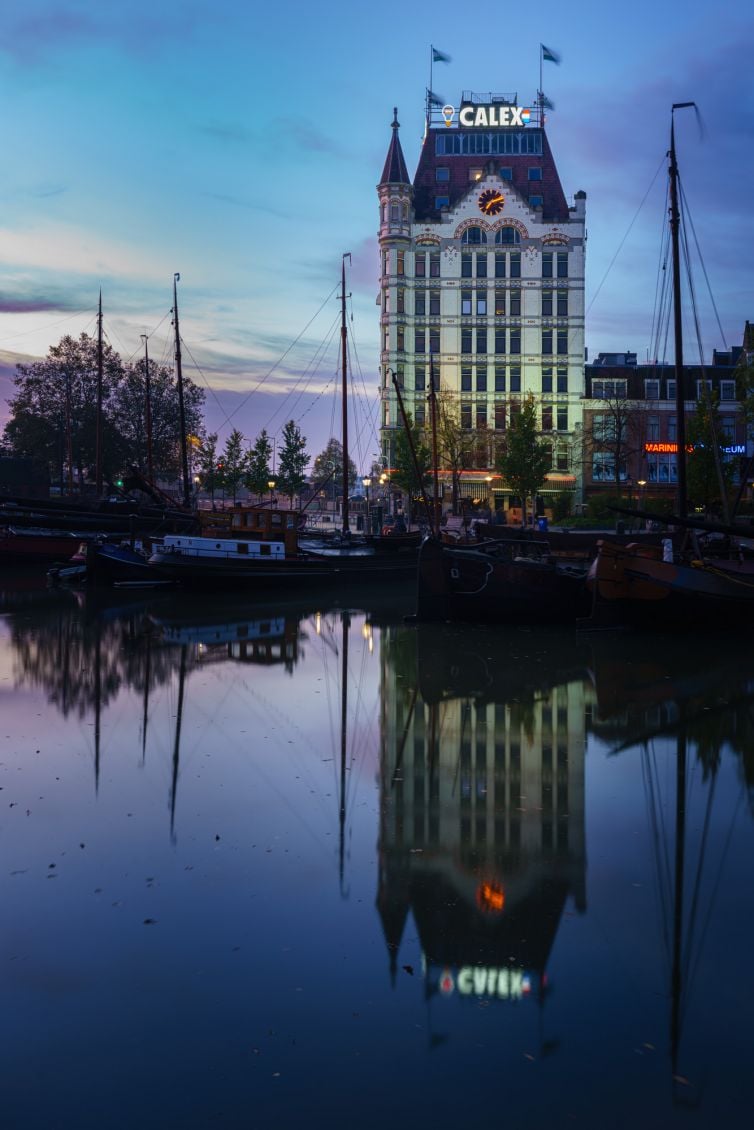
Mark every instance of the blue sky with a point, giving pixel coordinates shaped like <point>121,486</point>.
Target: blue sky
<point>241,146</point>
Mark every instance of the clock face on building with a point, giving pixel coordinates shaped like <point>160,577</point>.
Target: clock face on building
<point>491,202</point>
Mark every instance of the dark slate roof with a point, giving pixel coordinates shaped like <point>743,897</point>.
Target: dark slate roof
<point>395,171</point>
<point>555,206</point>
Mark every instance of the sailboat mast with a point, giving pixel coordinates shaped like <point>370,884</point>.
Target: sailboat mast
<point>181,406</point>
<point>435,473</point>
<point>98,439</point>
<point>148,409</point>
<point>680,392</point>
<point>344,391</point>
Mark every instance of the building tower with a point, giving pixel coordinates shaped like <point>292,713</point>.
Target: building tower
<point>482,277</point>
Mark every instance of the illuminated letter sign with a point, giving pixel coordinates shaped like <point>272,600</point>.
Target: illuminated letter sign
<point>496,116</point>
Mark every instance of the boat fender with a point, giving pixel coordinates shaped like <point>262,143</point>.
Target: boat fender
<point>667,550</point>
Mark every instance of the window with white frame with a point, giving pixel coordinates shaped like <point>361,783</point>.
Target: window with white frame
<point>727,390</point>
<point>609,390</point>
<point>652,389</point>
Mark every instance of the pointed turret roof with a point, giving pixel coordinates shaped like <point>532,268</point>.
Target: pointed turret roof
<point>395,171</point>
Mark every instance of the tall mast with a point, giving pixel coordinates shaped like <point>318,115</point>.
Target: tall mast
<point>344,391</point>
<point>680,392</point>
<point>148,408</point>
<point>98,440</point>
<point>435,470</point>
<point>181,408</point>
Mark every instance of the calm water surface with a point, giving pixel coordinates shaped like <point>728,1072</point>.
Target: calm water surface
<point>308,865</point>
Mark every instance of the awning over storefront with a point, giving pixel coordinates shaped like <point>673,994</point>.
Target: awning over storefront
<point>557,481</point>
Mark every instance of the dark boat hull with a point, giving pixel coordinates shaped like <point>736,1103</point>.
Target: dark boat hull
<point>490,583</point>
<point>335,568</point>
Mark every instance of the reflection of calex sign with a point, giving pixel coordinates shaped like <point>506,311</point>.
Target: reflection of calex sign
<point>496,115</point>
<point>480,981</point>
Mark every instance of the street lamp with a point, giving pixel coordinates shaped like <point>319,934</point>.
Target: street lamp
<point>271,487</point>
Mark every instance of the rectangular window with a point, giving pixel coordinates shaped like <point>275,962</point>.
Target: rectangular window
<point>481,378</point>
<point>547,380</point>
<point>419,414</point>
<point>434,339</point>
<point>386,301</point>
<point>481,340</point>
<point>395,213</point>
<point>728,429</point>
<point>562,303</point>
<point>562,418</point>
<point>465,302</point>
<point>562,343</point>
<point>703,388</point>
<point>500,303</point>
<point>500,339</point>
<point>662,469</point>
<point>466,264</point>
<point>419,340</point>
<point>535,200</point>
<point>652,390</point>
<point>401,300</point>
<point>670,390</point>
<point>546,303</point>
<point>386,262</point>
<point>499,264</point>
<point>481,265</point>
<point>465,378</point>
<point>727,390</point>
<point>535,173</point>
<point>420,302</point>
<point>481,302</point>
<point>546,343</point>
<point>401,336</point>
<point>653,428</point>
<point>515,375</point>
<point>562,380</point>
<point>561,459</point>
<point>466,416</point>
<point>547,417</point>
<point>515,300</point>
<point>466,340</point>
<point>514,409</point>
<point>515,340</point>
<point>547,264</point>
<point>420,264</point>
<point>481,416</point>
<point>434,265</point>
<point>442,175</point>
<point>506,172</point>
<point>515,272</point>
<point>562,264</point>
<point>401,263</point>
<point>608,390</point>
<point>499,416</point>
<point>500,378</point>
<point>400,375</point>
<point>434,303</point>
<point>419,378</point>
<point>672,429</point>
<point>385,339</point>
<point>441,202</point>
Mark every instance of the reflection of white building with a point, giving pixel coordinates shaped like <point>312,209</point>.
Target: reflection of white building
<point>482,279</point>
<point>482,829</point>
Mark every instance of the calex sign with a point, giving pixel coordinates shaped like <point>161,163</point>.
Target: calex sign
<point>495,115</point>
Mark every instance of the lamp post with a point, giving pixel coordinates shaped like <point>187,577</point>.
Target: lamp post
<point>271,487</point>
<point>641,483</point>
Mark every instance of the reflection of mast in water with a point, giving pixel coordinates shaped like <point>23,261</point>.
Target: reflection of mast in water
<point>97,701</point>
<point>346,624</point>
<point>145,708</point>
<point>177,743</point>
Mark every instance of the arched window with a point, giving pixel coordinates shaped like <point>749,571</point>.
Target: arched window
<point>474,235</point>
<point>507,235</point>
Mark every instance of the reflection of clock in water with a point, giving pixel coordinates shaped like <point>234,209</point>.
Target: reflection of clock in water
<point>491,202</point>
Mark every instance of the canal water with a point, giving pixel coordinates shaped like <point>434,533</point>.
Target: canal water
<point>305,863</point>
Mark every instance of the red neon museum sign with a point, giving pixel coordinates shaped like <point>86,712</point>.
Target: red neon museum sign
<point>665,448</point>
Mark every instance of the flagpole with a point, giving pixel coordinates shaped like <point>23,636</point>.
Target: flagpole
<point>541,88</point>
<point>430,88</point>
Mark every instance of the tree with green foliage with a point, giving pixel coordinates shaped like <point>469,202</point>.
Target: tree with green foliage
<point>404,472</point>
<point>291,474</point>
<point>708,477</point>
<point>235,463</point>
<point>128,412</point>
<point>258,472</point>
<point>328,465</point>
<point>524,459</point>
<point>455,444</point>
<point>56,405</point>
<point>206,464</point>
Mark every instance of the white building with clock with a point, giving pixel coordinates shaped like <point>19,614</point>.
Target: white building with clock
<point>482,285</point>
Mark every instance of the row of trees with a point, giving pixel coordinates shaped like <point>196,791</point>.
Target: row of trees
<point>53,412</point>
